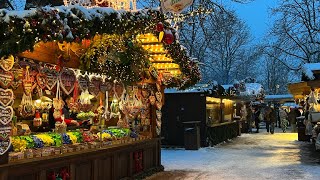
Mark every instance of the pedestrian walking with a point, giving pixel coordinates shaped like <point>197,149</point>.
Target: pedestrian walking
<point>256,119</point>
<point>292,117</point>
<point>283,119</point>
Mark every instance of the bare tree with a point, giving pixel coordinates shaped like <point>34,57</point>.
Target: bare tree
<point>296,32</point>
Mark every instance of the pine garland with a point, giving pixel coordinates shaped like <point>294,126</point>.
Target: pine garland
<point>21,30</point>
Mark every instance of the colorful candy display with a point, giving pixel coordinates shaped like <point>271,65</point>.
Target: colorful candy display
<point>21,143</point>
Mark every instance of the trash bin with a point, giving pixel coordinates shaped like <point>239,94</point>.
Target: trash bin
<point>301,129</point>
<point>191,135</point>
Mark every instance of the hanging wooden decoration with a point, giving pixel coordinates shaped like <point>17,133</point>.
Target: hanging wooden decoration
<point>159,96</point>
<point>52,77</point>
<point>6,78</point>
<point>94,85</point>
<point>83,81</point>
<point>41,80</point>
<point>158,105</point>
<point>5,142</point>
<point>27,83</point>
<point>6,63</point>
<point>6,97</point>
<point>152,98</point>
<point>6,114</point>
<point>67,79</point>
<point>18,76</point>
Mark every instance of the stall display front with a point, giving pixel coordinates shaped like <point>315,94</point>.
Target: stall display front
<point>306,95</point>
<point>82,91</point>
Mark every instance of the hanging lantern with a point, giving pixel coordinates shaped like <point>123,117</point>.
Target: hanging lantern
<point>159,27</point>
<point>168,37</point>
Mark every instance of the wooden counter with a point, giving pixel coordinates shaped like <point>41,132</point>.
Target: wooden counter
<point>113,162</point>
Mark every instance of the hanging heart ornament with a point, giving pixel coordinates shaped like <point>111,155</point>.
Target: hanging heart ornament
<point>67,79</point>
<point>6,78</point>
<point>41,80</point>
<point>6,114</point>
<point>6,97</point>
<point>4,145</point>
<point>52,77</point>
<point>83,81</point>
<point>6,63</point>
<point>94,85</point>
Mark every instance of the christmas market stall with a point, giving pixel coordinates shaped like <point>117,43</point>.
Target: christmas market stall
<point>306,95</point>
<point>82,91</point>
<point>206,110</point>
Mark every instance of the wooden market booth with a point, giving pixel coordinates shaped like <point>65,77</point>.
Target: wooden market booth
<point>116,51</point>
<point>204,107</point>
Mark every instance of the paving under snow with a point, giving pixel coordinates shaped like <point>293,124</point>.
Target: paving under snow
<point>250,156</point>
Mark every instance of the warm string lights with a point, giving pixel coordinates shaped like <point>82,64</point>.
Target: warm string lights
<point>21,31</point>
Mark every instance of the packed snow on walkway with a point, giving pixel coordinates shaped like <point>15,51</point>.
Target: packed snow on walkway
<point>250,156</point>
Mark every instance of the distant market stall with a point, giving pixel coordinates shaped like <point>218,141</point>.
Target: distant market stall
<point>211,108</point>
<point>82,91</point>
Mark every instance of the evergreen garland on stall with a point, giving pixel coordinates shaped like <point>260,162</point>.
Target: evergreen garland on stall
<point>21,30</point>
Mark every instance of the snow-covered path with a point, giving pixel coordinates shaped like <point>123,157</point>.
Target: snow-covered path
<point>250,156</point>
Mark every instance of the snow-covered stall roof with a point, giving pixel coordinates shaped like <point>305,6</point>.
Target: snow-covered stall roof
<point>249,89</point>
<point>279,96</point>
<point>308,69</point>
<point>252,89</point>
<point>198,88</point>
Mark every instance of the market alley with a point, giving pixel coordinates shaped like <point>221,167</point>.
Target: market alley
<point>250,156</point>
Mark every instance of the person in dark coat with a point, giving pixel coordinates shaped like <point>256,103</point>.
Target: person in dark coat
<point>256,119</point>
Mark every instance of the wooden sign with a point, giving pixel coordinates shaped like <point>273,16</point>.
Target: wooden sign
<point>175,6</point>
<point>41,80</point>
<point>83,81</point>
<point>6,78</point>
<point>6,114</point>
<point>6,63</point>
<point>94,85</point>
<point>6,97</point>
<point>52,77</point>
<point>67,79</point>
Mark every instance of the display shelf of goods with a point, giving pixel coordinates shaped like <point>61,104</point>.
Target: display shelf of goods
<point>23,30</point>
<point>37,141</point>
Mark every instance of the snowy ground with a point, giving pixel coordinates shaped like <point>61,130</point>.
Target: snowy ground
<point>250,156</point>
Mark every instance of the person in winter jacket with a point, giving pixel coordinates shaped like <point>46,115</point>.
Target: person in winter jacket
<point>283,119</point>
<point>256,114</point>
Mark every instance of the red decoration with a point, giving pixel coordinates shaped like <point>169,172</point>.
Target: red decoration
<point>168,37</point>
<point>86,43</point>
<point>159,27</point>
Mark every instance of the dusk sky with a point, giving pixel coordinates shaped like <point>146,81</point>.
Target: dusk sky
<point>257,15</point>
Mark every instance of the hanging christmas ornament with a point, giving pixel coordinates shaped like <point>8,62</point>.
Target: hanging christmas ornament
<point>168,37</point>
<point>159,27</point>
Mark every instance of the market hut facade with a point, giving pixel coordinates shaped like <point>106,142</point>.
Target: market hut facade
<point>96,76</point>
